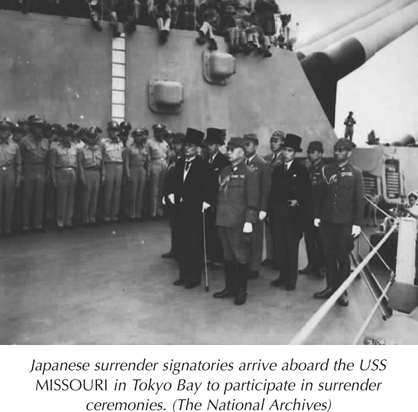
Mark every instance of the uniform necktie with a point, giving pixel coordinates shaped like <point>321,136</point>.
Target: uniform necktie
<point>187,167</point>
<point>274,157</point>
<point>246,161</point>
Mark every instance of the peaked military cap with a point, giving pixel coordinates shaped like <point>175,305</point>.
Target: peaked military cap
<point>315,146</point>
<point>4,125</point>
<point>158,126</point>
<point>141,131</point>
<point>278,135</point>
<point>73,126</point>
<point>251,137</point>
<point>235,142</point>
<point>112,125</point>
<point>344,144</point>
<point>36,120</point>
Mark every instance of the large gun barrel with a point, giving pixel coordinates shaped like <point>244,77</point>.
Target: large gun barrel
<point>365,20</point>
<point>324,69</point>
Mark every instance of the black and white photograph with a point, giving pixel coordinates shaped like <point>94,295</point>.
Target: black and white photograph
<point>208,172</point>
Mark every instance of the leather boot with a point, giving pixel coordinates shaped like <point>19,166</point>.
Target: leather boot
<point>324,294</point>
<point>230,288</point>
<point>242,284</point>
<point>343,299</point>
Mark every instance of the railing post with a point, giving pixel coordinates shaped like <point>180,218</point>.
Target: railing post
<point>405,258</point>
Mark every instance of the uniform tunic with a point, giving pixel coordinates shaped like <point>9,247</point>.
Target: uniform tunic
<point>339,205</point>
<point>34,154</point>
<point>137,168</point>
<point>238,203</point>
<point>64,175</point>
<point>262,170</point>
<point>91,171</point>
<point>159,158</point>
<point>113,161</point>
<point>10,175</point>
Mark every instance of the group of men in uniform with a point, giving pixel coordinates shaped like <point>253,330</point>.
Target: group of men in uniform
<point>46,170</point>
<point>226,202</point>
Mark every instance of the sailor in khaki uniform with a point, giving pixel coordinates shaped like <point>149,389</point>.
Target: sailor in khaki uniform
<point>64,177</point>
<point>158,149</point>
<point>92,174</point>
<point>137,171</point>
<point>237,212</point>
<point>262,170</point>
<point>113,160</point>
<point>10,176</point>
<point>34,150</point>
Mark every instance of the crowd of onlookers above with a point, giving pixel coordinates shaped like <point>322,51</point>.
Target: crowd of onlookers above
<point>247,25</point>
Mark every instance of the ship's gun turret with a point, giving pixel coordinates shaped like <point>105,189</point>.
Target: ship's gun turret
<point>324,69</point>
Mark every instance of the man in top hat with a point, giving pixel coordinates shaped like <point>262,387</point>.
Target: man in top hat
<point>338,211</point>
<point>290,187</point>
<point>34,150</point>
<point>10,176</point>
<point>64,177</point>
<point>262,170</point>
<point>158,149</point>
<point>92,174</point>
<point>237,212</point>
<point>113,160</point>
<point>275,158</point>
<point>178,143</point>
<point>311,233</point>
<point>189,195</point>
<point>217,161</point>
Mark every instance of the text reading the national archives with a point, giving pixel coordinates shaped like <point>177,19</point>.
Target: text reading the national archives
<point>221,385</point>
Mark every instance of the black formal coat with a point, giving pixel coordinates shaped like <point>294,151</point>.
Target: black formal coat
<point>219,162</point>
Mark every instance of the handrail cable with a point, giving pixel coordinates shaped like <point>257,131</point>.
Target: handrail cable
<point>378,208</point>
<point>318,316</point>
<point>375,307</point>
<point>377,253</point>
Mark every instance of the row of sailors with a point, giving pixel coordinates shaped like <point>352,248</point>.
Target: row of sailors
<point>28,167</point>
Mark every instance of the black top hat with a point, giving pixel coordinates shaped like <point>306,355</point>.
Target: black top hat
<point>293,141</point>
<point>214,135</point>
<point>194,136</point>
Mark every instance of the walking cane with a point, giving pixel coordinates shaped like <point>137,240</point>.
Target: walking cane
<point>204,253</point>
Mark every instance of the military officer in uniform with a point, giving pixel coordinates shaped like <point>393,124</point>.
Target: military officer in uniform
<point>189,195</point>
<point>237,212</point>
<point>311,233</point>
<point>262,170</point>
<point>64,177</point>
<point>339,209</point>
<point>290,190</point>
<point>275,158</point>
<point>158,149</point>
<point>34,150</point>
<point>137,171</point>
<point>10,176</point>
<point>178,150</point>
<point>92,174</point>
<point>112,156</point>
<point>217,161</point>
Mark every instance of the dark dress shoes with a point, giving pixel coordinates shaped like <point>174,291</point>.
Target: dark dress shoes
<point>241,298</point>
<point>179,282</point>
<point>226,293</point>
<point>278,282</point>
<point>290,287</point>
<point>267,262</point>
<point>343,300</point>
<point>324,294</point>
<point>190,285</point>
<point>306,270</point>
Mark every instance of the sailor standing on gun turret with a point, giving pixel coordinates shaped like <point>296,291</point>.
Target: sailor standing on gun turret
<point>349,123</point>
<point>339,211</point>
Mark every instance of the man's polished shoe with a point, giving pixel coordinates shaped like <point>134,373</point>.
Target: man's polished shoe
<point>226,293</point>
<point>278,282</point>
<point>190,285</point>
<point>306,270</point>
<point>267,262</point>
<point>253,274</point>
<point>290,287</point>
<point>324,294</point>
<point>168,255</point>
<point>343,300</point>
<point>179,282</point>
<point>241,298</point>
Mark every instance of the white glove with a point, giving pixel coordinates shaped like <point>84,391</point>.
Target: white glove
<point>262,215</point>
<point>171,198</point>
<point>163,201</point>
<point>355,231</point>
<point>205,206</point>
<point>248,227</point>
<point>317,222</point>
